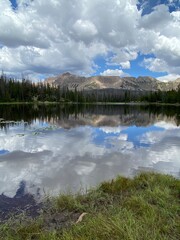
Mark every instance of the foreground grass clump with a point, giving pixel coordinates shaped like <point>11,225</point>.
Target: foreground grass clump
<point>146,207</point>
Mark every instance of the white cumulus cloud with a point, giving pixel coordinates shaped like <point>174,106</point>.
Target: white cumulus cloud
<point>49,37</point>
<point>114,72</point>
<point>169,77</point>
<point>84,30</point>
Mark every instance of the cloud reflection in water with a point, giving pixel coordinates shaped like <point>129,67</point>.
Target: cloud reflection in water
<point>61,159</point>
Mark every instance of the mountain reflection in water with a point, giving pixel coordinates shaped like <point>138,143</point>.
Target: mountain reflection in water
<point>60,148</point>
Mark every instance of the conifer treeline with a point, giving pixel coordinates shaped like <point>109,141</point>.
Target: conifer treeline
<point>12,90</point>
<point>164,97</point>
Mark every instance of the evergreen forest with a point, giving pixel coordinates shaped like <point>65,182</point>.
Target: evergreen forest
<point>12,90</point>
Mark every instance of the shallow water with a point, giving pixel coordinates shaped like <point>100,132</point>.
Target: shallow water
<point>54,148</point>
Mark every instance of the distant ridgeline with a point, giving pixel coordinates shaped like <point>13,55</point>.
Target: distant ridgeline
<point>72,88</point>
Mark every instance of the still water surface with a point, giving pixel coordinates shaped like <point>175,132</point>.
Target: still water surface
<point>51,149</point>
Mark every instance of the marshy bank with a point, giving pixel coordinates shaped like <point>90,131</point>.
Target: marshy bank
<point>146,207</point>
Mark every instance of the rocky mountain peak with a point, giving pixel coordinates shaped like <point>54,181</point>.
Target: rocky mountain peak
<point>66,74</point>
<point>142,83</point>
<point>146,79</point>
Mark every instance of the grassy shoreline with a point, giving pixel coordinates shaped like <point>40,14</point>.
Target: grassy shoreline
<point>146,207</point>
<point>91,103</point>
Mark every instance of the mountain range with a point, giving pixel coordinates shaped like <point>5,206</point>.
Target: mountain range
<point>111,82</point>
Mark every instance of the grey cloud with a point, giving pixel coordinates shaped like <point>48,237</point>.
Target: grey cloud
<point>156,19</point>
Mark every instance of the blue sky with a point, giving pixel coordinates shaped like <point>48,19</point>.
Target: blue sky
<point>136,69</point>
<point>148,5</point>
<point>14,4</point>
<point>90,37</point>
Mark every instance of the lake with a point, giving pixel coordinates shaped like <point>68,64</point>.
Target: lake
<point>47,149</point>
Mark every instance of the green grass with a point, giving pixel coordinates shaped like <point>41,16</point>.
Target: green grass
<point>146,207</point>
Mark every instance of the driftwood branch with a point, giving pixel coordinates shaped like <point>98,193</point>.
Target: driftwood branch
<point>81,217</point>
